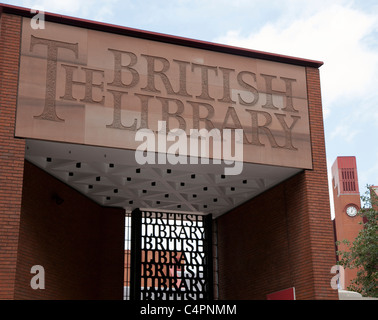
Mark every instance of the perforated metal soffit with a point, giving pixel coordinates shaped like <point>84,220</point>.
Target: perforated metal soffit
<point>112,177</point>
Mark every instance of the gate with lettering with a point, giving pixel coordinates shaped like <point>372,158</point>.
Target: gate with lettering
<point>171,256</point>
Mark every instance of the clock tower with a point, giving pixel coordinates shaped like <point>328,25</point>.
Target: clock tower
<point>347,203</point>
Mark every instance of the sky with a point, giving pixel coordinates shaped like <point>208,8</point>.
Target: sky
<point>341,33</point>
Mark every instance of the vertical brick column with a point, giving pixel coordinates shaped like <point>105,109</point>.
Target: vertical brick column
<point>12,153</point>
<point>320,224</point>
<point>308,208</point>
<point>310,229</point>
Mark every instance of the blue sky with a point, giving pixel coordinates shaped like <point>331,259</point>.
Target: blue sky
<point>342,33</point>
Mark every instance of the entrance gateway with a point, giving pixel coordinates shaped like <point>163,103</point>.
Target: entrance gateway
<point>92,100</point>
<point>86,97</point>
<point>171,256</point>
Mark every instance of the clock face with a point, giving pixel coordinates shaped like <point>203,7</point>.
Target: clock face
<point>351,211</point>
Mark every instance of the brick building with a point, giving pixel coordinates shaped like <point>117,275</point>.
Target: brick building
<point>73,95</point>
<point>347,203</point>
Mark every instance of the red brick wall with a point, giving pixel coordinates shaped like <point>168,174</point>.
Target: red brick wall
<point>284,237</point>
<point>346,227</point>
<point>253,248</point>
<point>320,224</point>
<point>11,153</point>
<point>79,243</point>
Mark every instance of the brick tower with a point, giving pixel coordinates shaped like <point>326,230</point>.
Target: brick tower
<point>347,203</point>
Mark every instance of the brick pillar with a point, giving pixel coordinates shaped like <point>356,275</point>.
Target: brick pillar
<point>12,152</point>
<point>319,216</point>
<point>312,250</point>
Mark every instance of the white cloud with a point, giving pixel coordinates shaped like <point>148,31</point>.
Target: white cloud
<point>90,9</point>
<point>344,131</point>
<point>330,189</point>
<point>334,34</point>
<point>368,173</point>
<point>56,6</point>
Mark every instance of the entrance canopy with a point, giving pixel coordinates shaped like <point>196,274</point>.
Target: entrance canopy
<point>90,96</point>
<point>112,177</point>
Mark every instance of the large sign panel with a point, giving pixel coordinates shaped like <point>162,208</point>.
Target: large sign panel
<point>89,87</point>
